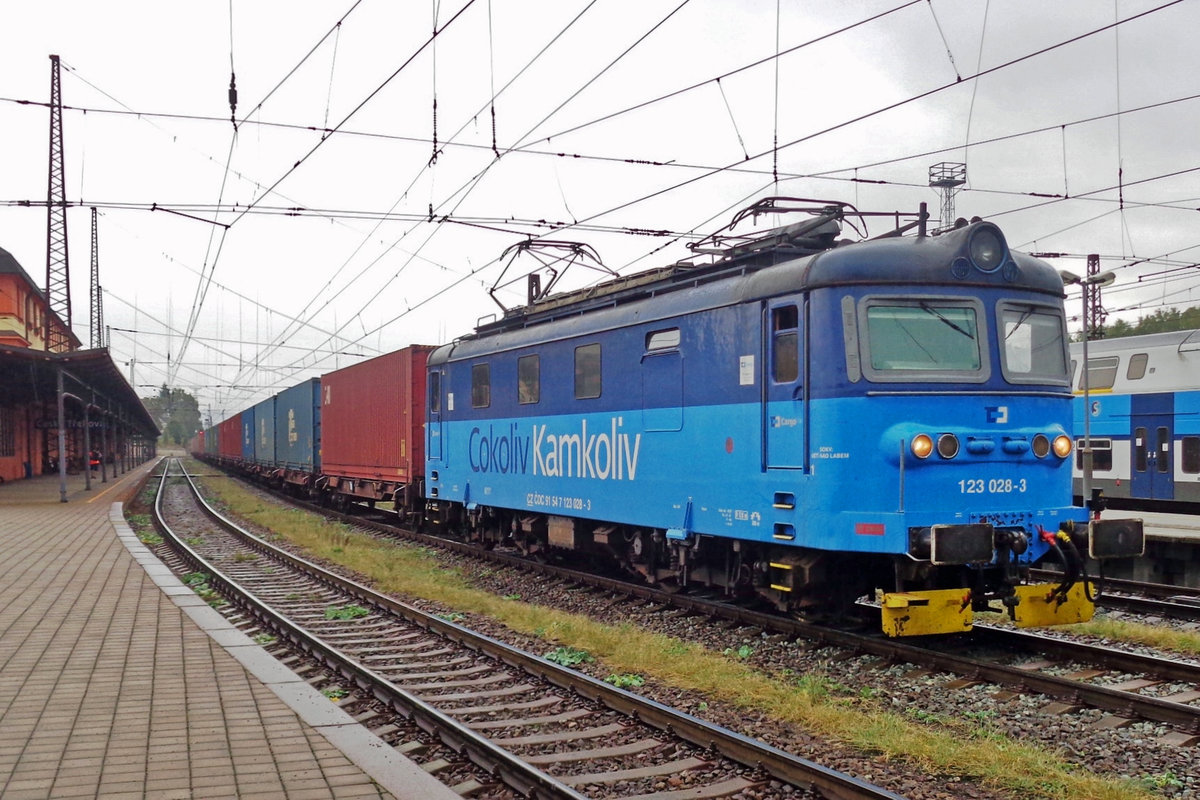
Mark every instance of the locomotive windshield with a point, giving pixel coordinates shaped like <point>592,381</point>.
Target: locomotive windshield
<point>924,336</point>
<point>1033,345</point>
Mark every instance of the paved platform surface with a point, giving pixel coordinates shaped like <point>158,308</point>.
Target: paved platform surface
<point>116,681</point>
<point>1159,525</point>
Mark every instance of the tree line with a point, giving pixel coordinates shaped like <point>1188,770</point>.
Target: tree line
<point>1161,321</point>
<point>176,413</point>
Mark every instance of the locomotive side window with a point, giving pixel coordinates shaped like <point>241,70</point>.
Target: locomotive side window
<point>1137,367</point>
<point>1101,372</point>
<point>662,340</point>
<point>435,392</point>
<point>785,322</point>
<point>1191,454</point>
<point>926,339</point>
<point>1033,344</point>
<point>481,385</point>
<point>529,379</point>
<point>587,371</point>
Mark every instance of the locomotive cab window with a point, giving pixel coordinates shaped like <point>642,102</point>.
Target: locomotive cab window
<point>785,363</point>
<point>481,386</point>
<point>1033,344</point>
<point>923,339</point>
<point>587,371</point>
<point>529,379</point>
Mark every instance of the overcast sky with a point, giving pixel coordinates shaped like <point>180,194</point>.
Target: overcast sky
<point>609,122</point>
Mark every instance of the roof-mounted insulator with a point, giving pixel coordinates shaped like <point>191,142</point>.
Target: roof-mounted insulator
<point>233,100</point>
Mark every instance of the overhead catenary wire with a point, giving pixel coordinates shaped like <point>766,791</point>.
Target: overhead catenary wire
<point>538,55</point>
<point>749,169</point>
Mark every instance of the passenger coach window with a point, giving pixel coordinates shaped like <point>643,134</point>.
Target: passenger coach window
<point>1101,454</point>
<point>529,379</point>
<point>481,386</point>
<point>1137,367</point>
<point>1191,454</point>
<point>1033,344</point>
<point>785,322</point>
<point>1101,373</point>
<point>587,371</point>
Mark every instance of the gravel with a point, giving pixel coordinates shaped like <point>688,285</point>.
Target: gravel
<point>1135,751</point>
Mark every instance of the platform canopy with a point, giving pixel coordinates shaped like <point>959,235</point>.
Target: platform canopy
<point>30,376</point>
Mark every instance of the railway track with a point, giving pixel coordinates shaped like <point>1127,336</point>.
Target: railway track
<point>1071,673</point>
<point>542,729</point>
<point>1140,597</point>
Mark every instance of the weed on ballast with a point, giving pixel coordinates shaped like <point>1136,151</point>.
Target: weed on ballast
<point>569,656</point>
<point>626,680</point>
<point>345,612</point>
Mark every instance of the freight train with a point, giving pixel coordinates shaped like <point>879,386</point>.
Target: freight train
<point>1144,419</point>
<point>801,419</point>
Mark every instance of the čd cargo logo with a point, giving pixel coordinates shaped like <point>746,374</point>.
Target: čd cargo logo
<point>609,455</point>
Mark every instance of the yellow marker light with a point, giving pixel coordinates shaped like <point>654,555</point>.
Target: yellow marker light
<point>1062,446</point>
<point>922,445</point>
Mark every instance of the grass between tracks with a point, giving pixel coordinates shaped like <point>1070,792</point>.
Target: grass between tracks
<point>967,749</point>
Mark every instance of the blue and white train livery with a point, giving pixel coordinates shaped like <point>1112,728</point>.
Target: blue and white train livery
<point>1144,423</point>
<point>805,419</point>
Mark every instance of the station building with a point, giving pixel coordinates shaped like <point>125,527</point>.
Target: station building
<point>58,405</point>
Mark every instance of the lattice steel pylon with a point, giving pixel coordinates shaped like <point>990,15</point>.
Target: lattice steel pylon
<point>1096,313</point>
<point>948,178</point>
<point>97,299</point>
<point>58,274</point>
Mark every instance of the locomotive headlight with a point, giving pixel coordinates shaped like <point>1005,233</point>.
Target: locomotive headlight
<point>947,445</point>
<point>1041,446</point>
<point>922,445</point>
<point>987,250</point>
<point>1062,446</point>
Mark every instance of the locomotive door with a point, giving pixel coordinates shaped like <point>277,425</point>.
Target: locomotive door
<point>783,387</point>
<point>433,448</point>
<point>1151,446</point>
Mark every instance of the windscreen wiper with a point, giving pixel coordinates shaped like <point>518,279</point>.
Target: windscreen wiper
<point>931,310</point>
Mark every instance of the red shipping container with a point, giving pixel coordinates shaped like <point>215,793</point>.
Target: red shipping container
<point>229,438</point>
<point>373,418</point>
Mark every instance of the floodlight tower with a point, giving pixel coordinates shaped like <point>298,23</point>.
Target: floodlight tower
<point>948,178</point>
<point>58,276</point>
<point>97,301</point>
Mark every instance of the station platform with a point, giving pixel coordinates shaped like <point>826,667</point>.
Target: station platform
<point>1159,525</point>
<point>117,681</point>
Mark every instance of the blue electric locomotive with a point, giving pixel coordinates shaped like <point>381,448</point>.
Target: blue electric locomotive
<point>804,419</point>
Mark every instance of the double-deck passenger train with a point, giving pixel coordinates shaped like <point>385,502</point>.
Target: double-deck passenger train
<point>1143,411</point>
<point>802,419</point>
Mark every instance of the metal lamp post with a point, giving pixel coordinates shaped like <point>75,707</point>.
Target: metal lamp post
<point>1097,280</point>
